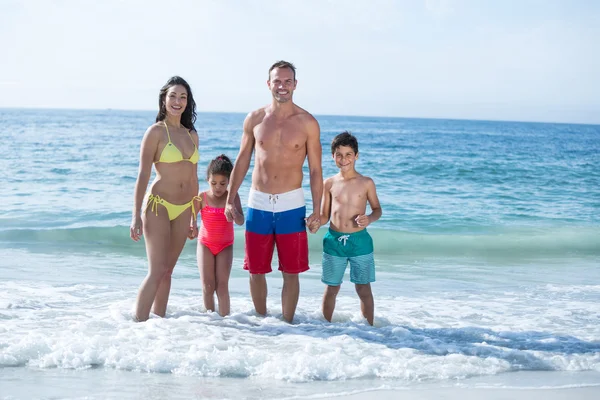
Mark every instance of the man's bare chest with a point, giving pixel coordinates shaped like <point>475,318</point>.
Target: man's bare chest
<point>280,135</point>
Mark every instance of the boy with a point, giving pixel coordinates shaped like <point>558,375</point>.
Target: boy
<point>345,197</point>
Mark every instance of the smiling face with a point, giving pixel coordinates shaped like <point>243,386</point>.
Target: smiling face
<point>218,184</point>
<point>345,157</point>
<point>282,84</point>
<point>176,100</point>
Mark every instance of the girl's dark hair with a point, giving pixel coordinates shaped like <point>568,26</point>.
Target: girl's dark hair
<point>344,139</point>
<point>221,165</point>
<point>189,114</point>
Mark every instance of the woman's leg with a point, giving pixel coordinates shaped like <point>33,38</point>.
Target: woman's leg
<point>223,270</point>
<point>157,230</point>
<point>180,227</point>
<point>206,266</point>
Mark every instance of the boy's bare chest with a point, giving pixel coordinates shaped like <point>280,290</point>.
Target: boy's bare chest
<point>349,193</point>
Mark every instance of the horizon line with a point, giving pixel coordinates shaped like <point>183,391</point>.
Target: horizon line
<point>316,114</point>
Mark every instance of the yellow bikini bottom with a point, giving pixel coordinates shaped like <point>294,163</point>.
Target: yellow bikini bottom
<point>173,210</point>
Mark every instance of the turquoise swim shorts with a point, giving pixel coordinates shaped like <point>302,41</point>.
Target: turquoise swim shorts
<point>339,249</point>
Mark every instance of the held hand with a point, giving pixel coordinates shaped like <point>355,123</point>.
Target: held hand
<point>313,222</point>
<point>135,230</point>
<point>362,221</point>
<point>230,212</point>
<point>193,232</point>
<point>236,213</point>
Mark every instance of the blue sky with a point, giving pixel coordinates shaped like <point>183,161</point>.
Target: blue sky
<point>525,60</point>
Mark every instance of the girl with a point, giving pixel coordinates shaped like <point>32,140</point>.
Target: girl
<point>215,239</point>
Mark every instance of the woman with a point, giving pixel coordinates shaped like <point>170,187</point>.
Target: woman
<point>171,144</point>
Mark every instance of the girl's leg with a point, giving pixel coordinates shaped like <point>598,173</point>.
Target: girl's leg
<point>157,232</point>
<point>179,230</point>
<point>223,270</point>
<point>206,266</point>
<point>366,301</point>
<point>329,301</point>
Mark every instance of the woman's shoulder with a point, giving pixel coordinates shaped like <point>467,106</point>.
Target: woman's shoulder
<point>155,129</point>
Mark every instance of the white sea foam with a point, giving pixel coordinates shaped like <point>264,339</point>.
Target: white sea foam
<point>439,336</point>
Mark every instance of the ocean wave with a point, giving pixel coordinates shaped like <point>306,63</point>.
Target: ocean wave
<point>504,243</point>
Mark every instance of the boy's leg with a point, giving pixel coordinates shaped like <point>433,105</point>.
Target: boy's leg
<point>334,263</point>
<point>206,265</point>
<point>223,269</point>
<point>367,305</point>
<point>362,271</point>
<point>329,301</point>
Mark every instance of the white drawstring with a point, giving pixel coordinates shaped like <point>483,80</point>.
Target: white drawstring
<point>343,238</point>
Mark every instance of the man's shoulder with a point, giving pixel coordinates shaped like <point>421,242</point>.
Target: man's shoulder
<point>259,113</point>
<point>304,115</point>
<point>253,118</point>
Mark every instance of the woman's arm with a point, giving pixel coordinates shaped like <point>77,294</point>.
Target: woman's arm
<point>147,153</point>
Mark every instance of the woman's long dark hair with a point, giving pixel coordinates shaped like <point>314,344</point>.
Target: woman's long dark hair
<point>189,114</point>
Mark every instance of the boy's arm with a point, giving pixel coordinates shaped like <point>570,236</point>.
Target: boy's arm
<point>326,202</point>
<point>373,202</point>
<point>239,212</point>
<point>364,220</point>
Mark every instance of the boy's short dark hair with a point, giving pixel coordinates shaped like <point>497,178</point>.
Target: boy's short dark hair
<point>283,64</point>
<point>344,139</point>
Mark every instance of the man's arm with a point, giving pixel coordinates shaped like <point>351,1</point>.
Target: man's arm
<point>242,163</point>
<point>314,153</point>
<point>326,202</point>
<point>239,215</point>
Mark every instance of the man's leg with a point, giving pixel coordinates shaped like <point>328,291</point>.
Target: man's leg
<point>258,291</point>
<point>289,295</point>
<point>260,242</point>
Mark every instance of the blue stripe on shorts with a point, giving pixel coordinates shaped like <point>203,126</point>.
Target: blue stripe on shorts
<point>362,269</point>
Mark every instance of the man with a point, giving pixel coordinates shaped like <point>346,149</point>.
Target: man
<point>281,135</point>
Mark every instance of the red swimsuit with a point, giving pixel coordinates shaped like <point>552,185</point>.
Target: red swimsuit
<point>215,232</point>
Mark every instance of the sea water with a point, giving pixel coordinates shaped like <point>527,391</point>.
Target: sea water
<point>487,254</point>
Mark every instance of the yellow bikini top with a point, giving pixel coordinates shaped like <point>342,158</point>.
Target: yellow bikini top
<point>171,154</point>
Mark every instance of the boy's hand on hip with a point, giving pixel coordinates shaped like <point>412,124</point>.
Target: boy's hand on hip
<point>362,221</point>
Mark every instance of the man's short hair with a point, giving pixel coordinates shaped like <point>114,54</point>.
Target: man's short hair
<point>283,64</point>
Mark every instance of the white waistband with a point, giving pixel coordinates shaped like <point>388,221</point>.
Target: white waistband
<point>276,202</point>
